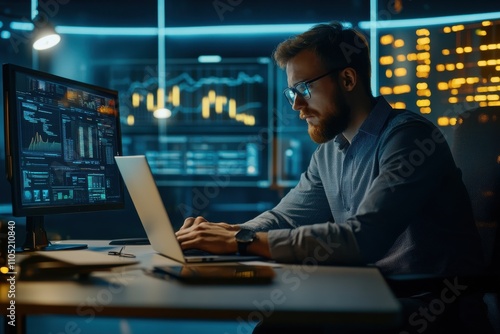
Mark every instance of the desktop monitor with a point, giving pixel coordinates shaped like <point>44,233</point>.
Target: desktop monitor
<point>61,137</point>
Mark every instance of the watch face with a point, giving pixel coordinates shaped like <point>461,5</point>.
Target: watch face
<point>245,235</point>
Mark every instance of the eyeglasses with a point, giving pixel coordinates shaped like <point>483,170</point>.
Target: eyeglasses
<point>302,88</point>
<point>120,253</point>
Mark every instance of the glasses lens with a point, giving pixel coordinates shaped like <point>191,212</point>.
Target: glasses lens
<point>290,95</point>
<point>303,90</point>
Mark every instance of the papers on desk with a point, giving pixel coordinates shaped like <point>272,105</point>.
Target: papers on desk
<point>59,264</point>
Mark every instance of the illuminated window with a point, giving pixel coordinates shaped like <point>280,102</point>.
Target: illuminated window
<point>400,72</point>
<point>385,90</point>
<point>386,60</point>
<point>386,39</point>
<point>399,43</point>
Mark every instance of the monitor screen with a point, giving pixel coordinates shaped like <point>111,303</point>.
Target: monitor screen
<point>61,137</point>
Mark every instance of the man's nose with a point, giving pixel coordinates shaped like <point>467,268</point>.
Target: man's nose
<point>298,102</point>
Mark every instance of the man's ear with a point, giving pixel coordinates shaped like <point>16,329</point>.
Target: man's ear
<point>349,78</point>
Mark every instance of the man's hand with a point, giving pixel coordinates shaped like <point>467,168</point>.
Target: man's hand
<point>217,238</point>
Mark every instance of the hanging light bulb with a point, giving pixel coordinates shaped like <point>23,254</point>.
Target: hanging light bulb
<point>44,35</point>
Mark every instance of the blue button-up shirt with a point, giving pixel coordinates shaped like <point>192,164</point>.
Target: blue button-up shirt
<point>392,197</point>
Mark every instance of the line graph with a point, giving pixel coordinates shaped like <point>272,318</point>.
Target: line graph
<point>198,94</point>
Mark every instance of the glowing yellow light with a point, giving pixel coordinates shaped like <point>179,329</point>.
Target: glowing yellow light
<point>492,97</point>
<point>136,99</point>
<point>446,30</point>
<point>459,50</point>
<point>494,103</point>
<point>440,67</point>
<point>479,98</point>
<point>411,56</point>
<point>399,105</point>
<point>469,98</point>
<point>472,80</point>
<point>483,104</point>
<point>481,32</point>
<point>495,79</point>
<point>205,107</point>
<point>481,63</point>
<point>486,23</point>
<point>400,72</point>
<point>423,55</point>
<point>423,40</point>
<point>160,97</point>
<point>453,99</point>
<point>442,85</point>
<point>424,92</point>
<point>399,43</point>
<point>388,73</point>
<point>423,103</point>
<point>232,108</point>
<point>453,120</point>
<point>401,57</point>
<point>458,27</point>
<point>483,47</point>
<point>211,96</point>
<point>386,60</point>
<point>130,120</point>
<point>459,66</point>
<point>422,85</point>
<point>386,39</point>
<point>491,46</point>
<point>450,67</point>
<point>443,121</point>
<point>384,90</point>
<point>425,110</point>
<point>175,96</point>
<point>445,52</point>
<point>491,62</point>
<point>422,74</point>
<point>422,32</point>
<point>401,89</point>
<point>4,270</point>
<point>423,68</point>
<point>219,104</point>
<point>150,102</point>
<point>454,91</point>
<point>468,49</point>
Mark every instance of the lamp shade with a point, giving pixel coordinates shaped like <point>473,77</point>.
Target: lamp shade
<point>44,35</point>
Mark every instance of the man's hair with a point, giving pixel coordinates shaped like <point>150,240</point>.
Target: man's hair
<point>336,47</point>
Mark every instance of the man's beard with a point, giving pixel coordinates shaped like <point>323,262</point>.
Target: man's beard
<point>332,124</point>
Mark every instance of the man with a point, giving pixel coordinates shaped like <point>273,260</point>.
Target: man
<point>382,188</point>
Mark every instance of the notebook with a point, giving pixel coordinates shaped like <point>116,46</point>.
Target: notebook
<point>146,197</point>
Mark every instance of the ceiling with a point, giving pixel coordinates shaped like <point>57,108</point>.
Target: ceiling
<point>143,13</point>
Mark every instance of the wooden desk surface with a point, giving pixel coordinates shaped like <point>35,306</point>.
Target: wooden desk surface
<point>346,296</point>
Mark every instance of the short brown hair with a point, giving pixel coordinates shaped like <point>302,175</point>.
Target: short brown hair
<point>335,45</point>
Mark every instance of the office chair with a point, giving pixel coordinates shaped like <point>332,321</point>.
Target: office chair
<point>476,149</point>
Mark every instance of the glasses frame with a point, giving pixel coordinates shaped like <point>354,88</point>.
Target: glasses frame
<point>120,253</point>
<point>306,94</point>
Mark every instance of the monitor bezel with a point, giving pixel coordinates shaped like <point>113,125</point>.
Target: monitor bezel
<point>13,145</point>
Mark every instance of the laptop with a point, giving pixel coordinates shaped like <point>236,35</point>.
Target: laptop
<point>141,185</point>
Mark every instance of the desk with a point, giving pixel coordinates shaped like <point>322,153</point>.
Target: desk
<point>348,297</point>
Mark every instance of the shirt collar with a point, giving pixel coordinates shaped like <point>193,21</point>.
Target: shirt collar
<point>373,124</point>
<point>376,119</point>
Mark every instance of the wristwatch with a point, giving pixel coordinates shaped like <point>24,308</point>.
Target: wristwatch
<point>244,237</point>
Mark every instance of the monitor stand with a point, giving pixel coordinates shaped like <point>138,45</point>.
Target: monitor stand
<point>36,238</point>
